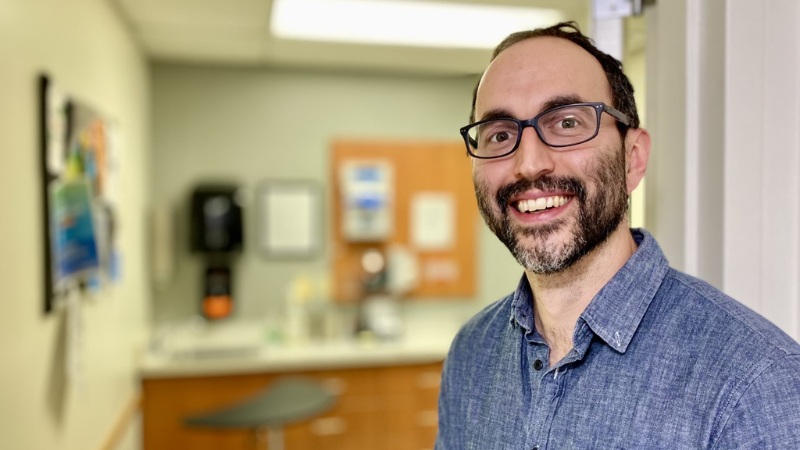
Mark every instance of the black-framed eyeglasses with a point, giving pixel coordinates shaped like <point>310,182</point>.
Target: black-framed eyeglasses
<point>562,126</point>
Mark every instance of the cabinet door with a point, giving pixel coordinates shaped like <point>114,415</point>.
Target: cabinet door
<point>407,399</point>
<point>390,408</point>
<point>350,424</point>
<point>427,380</point>
<point>168,402</point>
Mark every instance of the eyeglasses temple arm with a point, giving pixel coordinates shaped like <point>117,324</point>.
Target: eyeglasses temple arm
<point>617,114</point>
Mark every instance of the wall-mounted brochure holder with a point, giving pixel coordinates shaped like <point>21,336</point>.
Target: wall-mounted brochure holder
<point>80,165</point>
<point>367,191</point>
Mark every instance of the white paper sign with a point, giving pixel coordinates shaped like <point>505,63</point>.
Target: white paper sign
<point>290,227</point>
<point>433,221</point>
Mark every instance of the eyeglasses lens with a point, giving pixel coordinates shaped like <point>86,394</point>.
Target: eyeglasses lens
<point>569,125</point>
<point>494,138</point>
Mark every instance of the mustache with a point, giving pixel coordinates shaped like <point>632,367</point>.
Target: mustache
<point>571,185</point>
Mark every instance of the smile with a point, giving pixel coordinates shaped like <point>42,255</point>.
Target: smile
<point>540,204</point>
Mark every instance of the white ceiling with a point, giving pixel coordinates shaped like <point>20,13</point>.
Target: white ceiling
<point>236,32</point>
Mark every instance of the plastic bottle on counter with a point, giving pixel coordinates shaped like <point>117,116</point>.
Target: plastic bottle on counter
<point>298,296</point>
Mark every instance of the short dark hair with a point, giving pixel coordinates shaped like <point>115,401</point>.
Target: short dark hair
<point>621,88</point>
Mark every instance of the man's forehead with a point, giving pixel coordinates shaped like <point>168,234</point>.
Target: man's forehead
<point>529,73</point>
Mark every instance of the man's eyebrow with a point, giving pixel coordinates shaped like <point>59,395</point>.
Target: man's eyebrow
<point>554,102</point>
<point>561,100</point>
<point>498,113</point>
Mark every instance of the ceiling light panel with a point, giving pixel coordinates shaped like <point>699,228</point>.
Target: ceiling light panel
<point>400,22</point>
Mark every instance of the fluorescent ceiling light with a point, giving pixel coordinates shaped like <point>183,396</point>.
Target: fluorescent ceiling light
<point>401,22</point>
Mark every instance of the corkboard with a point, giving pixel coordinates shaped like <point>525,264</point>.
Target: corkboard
<point>419,167</point>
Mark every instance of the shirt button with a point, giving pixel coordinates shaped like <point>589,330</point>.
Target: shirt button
<point>535,448</point>
<point>537,365</point>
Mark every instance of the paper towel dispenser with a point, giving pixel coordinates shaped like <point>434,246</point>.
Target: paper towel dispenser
<point>216,219</point>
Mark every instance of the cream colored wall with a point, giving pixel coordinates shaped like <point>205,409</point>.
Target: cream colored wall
<point>634,62</point>
<point>666,121</point>
<point>252,125</point>
<point>88,51</point>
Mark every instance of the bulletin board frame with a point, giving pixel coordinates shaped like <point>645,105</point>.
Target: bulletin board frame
<point>420,168</point>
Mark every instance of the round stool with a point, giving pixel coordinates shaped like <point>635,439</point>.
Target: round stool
<point>287,401</point>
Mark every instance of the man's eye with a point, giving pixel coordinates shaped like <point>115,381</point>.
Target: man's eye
<point>499,137</point>
<point>568,123</point>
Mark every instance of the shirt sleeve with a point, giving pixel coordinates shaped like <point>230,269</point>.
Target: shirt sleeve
<point>767,415</point>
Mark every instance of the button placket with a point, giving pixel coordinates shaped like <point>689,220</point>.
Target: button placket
<point>540,394</point>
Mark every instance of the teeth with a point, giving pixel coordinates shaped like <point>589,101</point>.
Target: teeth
<point>541,203</point>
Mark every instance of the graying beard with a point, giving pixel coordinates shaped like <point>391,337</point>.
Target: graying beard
<point>540,259</point>
<point>609,212</point>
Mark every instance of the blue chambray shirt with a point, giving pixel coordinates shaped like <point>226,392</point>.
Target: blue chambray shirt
<point>659,360</point>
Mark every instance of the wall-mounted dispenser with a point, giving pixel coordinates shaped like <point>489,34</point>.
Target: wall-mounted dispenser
<point>367,189</point>
<point>216,232</point>
<point>216,219</point>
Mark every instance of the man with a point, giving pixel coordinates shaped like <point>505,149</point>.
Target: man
<point>602,345</point>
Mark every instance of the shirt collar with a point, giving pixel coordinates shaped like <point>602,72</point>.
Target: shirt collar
<point>617,310</point>
<point>522,306</point>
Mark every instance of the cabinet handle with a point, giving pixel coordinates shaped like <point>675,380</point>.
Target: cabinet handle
<point>328,426</point>
<point>427,419</point>
<point>336,386</point>
<point>428,380</point>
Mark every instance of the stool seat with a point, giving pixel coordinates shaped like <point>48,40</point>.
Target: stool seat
<point>287,400</point>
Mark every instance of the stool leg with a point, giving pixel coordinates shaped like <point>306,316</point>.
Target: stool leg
<point>275,438</point>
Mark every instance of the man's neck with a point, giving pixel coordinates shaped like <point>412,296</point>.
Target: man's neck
<point>559,299</point>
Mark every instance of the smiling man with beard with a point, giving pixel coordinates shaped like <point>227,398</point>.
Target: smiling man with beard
<point>602,345</point>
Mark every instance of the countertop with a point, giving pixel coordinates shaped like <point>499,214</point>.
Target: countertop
<point>241,349</point>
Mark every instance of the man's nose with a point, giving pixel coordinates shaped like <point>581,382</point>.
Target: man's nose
<point>533,158</point>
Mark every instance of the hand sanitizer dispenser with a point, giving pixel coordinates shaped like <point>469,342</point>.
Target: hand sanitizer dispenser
<point>216,234</point>
<point>367,189</point>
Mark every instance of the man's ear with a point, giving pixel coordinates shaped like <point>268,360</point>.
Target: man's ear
<point>637,144</point>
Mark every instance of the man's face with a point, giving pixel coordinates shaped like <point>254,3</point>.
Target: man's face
<point>586,183</point>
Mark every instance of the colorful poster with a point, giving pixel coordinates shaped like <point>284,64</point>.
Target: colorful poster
<point>74,244</point>
<point>80,164</point>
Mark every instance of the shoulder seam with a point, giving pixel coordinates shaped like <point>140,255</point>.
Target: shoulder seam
<point>717,430</point>
<point>706,298</point>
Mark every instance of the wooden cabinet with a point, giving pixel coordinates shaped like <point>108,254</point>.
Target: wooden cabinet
<point>386,408</point>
